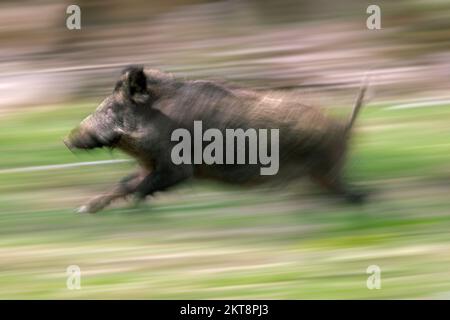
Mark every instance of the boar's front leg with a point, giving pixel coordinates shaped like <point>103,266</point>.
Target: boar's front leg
<point>162,178</point>
<point>125,187</point>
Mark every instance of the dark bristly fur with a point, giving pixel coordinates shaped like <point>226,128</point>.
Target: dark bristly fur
<point>147,105</point>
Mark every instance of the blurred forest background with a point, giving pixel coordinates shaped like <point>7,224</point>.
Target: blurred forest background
<point>205,240</point>
<point>259,43</point>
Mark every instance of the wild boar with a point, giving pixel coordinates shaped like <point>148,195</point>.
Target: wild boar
<point>147,106</point>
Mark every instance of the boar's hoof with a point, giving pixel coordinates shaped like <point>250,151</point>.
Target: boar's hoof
<point>88,209</point>
<point>95,205</point>
<point>82,209</point>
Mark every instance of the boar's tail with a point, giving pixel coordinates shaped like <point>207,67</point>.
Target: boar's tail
<point>357,106</point>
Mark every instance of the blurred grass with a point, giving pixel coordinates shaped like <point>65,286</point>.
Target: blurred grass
<point>205,240</point>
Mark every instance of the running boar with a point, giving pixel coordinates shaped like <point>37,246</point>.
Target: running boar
<point>147,109</point>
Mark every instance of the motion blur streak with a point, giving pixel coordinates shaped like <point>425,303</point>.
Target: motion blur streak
<point>207,240</point>
<point>62,166</point>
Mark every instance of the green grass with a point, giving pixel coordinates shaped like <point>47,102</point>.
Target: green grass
<point>209,241</point>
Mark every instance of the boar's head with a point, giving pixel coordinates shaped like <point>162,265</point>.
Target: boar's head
<point>116,115</point>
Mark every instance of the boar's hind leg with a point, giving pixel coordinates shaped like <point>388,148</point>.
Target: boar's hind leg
<point>125,187</point>
<point>336,185</point>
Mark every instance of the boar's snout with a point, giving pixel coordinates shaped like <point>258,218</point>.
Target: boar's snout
<point>79,139</point>
<point>68,144</point>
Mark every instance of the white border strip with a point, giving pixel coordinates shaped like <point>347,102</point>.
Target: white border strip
<point>62,166</point>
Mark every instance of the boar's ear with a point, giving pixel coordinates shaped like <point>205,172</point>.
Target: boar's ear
<point>136,84</point>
